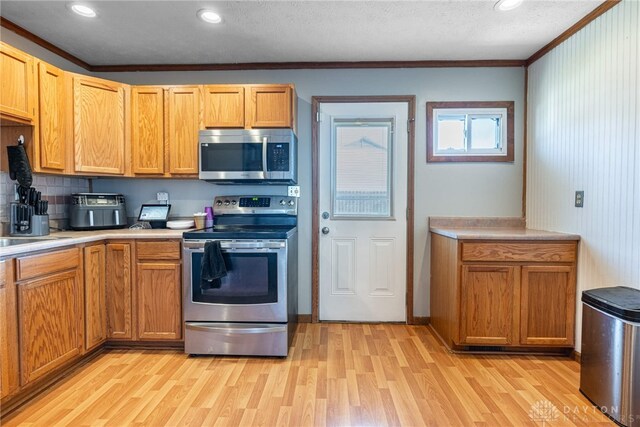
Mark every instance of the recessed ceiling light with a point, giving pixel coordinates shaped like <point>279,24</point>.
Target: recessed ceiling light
<point>209,16</point>
<point>507,4</point>
<point>82,10</point>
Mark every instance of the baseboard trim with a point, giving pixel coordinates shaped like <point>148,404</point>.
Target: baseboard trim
<point>575,355</point>
<point>418,320</point>
<point>304,318</point>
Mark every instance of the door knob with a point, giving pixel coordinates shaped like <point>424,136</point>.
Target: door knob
<point>325,230</point>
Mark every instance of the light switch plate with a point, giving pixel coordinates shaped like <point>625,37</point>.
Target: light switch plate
<point>579,200</point>
<point>294,191</point>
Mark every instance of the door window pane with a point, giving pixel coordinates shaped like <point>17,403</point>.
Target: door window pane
<point>361,169</point>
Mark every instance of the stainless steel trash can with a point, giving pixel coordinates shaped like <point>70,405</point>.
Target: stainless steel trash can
<point>610,358</point>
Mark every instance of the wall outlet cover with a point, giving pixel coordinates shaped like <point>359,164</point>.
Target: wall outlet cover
<point>162,196</point>
<point>579,199</point>
<point>294,191</point>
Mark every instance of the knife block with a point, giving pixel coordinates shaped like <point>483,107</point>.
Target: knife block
<point>29,225</point>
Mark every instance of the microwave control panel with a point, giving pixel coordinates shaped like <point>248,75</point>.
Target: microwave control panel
<point>278,157</point>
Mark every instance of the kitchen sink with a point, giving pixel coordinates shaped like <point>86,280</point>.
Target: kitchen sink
<point>12,241</point>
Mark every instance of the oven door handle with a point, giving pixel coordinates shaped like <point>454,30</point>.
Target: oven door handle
<point>225,330</point>
<point>199,246</point>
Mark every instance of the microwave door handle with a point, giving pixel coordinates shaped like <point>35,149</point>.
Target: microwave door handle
<point>264,155</point>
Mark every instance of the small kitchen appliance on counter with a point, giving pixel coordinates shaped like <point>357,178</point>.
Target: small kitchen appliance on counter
<point>252,308</point>
<point>97,211</point>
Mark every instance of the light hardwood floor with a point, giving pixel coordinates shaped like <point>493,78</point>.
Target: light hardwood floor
<point>336,374</point>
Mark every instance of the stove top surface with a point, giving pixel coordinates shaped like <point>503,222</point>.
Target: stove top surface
<point>242,232</point>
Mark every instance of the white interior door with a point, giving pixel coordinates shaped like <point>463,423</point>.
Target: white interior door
<point>363,203</point>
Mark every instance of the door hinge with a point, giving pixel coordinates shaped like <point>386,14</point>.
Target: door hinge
<point>317,116</point>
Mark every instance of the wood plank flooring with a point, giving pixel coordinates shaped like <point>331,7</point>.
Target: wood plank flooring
<point>336,374</point>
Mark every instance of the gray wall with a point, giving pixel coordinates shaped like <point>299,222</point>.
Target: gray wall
<point>462,189</point>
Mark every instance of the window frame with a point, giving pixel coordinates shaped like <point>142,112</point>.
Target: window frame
<point>473,107</point>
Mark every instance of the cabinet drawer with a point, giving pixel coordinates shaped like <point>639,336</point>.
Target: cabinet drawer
<point>41,265</point>
<point>525,252</point>
<point>158,250</point>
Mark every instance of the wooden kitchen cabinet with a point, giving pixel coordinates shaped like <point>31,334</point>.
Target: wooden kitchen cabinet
<point>159,283</point>
<point>50,302</point>
<point>547,311</point>
<point>18,92</point>
<point>249,106</point>
<point>119,291</point>
<point>95,314</point>
<point>270,106</point>
<point>99,125</point>
<point>148,130</point>
<point>503,293</point>
<point>9,381</point>
<point>487,297</point>
<point>184,117</point>
<point>51,149</point>
<point>224,106</point>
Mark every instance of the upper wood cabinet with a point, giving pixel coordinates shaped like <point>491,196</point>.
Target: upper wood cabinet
<point>51,149</point>
<point>270,106</point>
<point>119,291</point>
<point>184,116</point>
<point>95,315</point>
<point>50,301</point>
<point>99,125</point>
<point>8,331</point>
<point>224,106</point>
<point>148,130</point>
<point>249,106</point>
<point>18,89</point>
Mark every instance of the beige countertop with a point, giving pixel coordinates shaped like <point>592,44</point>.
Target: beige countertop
<point>70,238</point>
<point>492,229</point>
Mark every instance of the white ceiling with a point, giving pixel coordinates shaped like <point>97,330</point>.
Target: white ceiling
<point>168,32</point>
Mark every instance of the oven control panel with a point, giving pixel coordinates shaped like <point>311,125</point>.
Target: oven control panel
<point>263,205</point>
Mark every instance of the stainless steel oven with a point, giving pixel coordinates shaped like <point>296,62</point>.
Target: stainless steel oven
<point>253,309</point>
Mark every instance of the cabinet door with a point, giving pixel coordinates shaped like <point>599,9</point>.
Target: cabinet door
<point>52,147</point>
<point>8,331</point>
<point>119,292</point>
<point>223,106</point>
<point>17,91</point>
<point>159,301</point>
<point>51,329</point>
<point>99,126</point>
<point>548,302</point>
<point>184,124</point>
<point>95,315</point>
<point>147,128</point>
<point>487,298</point>
<point>269,106</point>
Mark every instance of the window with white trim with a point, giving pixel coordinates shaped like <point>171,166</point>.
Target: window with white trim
<point>469,131</point>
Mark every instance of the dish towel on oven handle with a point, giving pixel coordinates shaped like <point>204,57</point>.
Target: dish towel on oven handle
<point>213,267</point>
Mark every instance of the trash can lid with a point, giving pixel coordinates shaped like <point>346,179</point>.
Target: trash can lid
<point>620,301</point>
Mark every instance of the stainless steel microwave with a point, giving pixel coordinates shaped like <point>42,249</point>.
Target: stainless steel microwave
<point>248,156</point>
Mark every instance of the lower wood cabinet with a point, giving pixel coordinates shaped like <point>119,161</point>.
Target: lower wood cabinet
<point>505,294</point>
<point>159,301</point>
<point>487,297</point>
<point>95,308</point>
<point>51,310</point>
<point>9,381</point>
<point>119,291</point>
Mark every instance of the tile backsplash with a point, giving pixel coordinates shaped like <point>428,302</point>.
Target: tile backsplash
<point>56,189</point>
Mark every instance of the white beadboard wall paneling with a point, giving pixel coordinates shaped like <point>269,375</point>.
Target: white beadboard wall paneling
<point>584,134</point>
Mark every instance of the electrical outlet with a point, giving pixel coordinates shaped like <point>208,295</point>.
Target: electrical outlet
<point>294,191</point>
<point>162,196</point>
<point>579,200</point>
